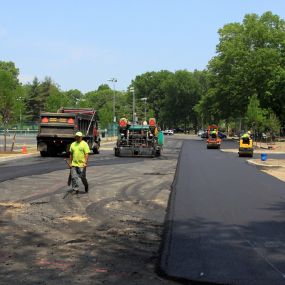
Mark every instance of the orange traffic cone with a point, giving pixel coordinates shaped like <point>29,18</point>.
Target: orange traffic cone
<point>24,149</point>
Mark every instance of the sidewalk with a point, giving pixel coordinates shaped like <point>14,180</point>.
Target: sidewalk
<point>269,163</point>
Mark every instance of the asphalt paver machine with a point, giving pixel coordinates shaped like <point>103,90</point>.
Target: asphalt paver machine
<point>138,139</point>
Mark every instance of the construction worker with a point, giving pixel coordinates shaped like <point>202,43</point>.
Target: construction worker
<point>246,137</point>
<point>250,134</point>
<point>79,151</point>
<point>213,134</point>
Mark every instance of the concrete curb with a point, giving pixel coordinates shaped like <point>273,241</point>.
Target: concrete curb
<point>264,166</point>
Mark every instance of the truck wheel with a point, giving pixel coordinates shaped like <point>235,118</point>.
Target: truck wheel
<point>95,150</point>
<point>43,153</point>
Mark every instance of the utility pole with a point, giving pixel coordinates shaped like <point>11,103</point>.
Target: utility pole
<point>114,80</point>
<point>144,99</point>
<point>132,89</point>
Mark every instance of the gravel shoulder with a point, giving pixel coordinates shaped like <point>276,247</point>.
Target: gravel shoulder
<point>111,235</point>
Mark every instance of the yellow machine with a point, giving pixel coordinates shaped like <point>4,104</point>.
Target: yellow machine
<point>245,146</point>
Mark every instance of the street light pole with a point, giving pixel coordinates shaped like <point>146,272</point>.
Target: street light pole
<point>114,80</point>
<point>144,99</point>
<point>132,89</point>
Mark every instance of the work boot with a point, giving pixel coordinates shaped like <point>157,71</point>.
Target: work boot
<point>86,188</point>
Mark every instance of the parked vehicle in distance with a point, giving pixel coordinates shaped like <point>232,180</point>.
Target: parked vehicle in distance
<point>204,135</point>
<point>179,130</point>
<point>200,132</point>
<point>168,132</point>
<point>221,135</point>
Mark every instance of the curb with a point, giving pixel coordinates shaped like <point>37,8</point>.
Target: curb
<point>264,166</point>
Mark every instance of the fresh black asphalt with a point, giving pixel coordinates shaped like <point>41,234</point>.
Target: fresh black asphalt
<point>38,165</point>
<point>225,221</point>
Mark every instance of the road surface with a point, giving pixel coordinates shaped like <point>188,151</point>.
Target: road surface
<point>226,221</point>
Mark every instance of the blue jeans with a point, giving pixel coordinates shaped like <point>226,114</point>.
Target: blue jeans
<point>76,173</point>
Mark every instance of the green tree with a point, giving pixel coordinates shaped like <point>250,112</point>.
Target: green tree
<point>249,60</point>
<point>255,115</point>
<point>33,100</point>
<point>151,86</point>
<point>102,101</point>
<point>56,99</point>
<point>272,124</point>
<point>73,97</point>
<point>7,96</point>
<point>182,93</point>
<point>9,87</point>
<point>12,69</point>
<point>7,99</point>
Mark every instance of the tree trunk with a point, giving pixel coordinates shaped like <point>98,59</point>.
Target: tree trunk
<point>5,139</point>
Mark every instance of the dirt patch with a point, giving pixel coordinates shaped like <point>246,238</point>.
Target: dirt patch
<point>275,167</point>
<point>77,218</point>
<point>12,207</point>
<point>278,173</point>
<point>274,146</point>
<point>17,152</point>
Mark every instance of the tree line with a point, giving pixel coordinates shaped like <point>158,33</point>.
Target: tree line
<point>243,86</point>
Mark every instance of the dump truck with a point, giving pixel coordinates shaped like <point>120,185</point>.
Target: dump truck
<point>138,139</point>
<point>57,130</point>
<point>213,140</point>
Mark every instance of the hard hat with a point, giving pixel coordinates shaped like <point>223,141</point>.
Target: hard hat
<point>78,134</point>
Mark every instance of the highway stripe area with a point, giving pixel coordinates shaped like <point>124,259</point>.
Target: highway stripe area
<point>225,221</point>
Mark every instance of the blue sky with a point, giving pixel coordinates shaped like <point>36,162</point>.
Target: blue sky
<point>81,44</point>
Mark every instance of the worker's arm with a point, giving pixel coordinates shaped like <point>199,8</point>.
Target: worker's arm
<point>86,154</point>
<point>86,159</point>
<point>70,159</point>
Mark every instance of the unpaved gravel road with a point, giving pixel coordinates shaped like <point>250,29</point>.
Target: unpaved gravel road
<point>109,236</point>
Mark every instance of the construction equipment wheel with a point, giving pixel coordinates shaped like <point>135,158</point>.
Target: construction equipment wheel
<point>44,153</point>
<point>95,150</point>
<point>117,152</point>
